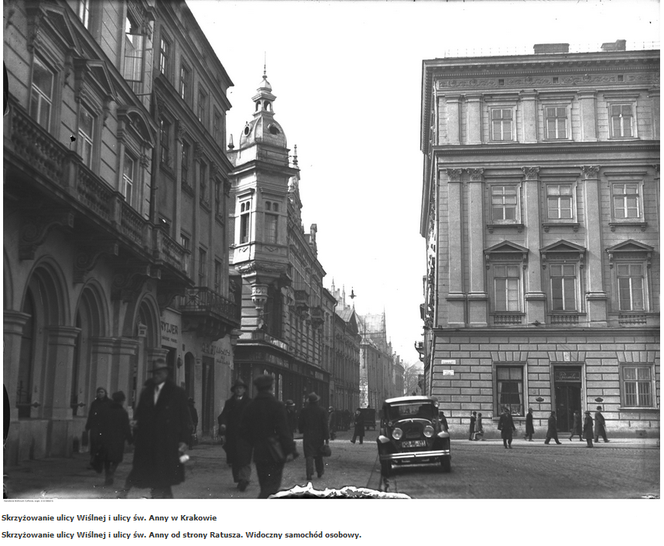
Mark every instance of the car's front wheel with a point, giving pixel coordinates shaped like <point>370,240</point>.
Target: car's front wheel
<point>446,464</point>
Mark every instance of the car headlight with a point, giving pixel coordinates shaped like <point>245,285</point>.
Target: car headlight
<point>428,431</point>
<point>397,433</point>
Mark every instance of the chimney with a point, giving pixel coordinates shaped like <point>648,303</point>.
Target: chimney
<point>618,45</point>
<point>541,49</point>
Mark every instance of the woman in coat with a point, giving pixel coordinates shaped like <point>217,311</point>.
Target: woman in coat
<point>506,427</point>
<point>315,432</point>
<point>118,431</point>
<point>96,426</point>
<point>588,429</point>
<point>359,426</point>
<point>576,427</point>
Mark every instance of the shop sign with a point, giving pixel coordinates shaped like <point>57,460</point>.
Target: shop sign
<point>170,333</point>
<point>568,375</point>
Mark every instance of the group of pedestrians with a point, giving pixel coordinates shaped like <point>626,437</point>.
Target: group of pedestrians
<point>507,428</point>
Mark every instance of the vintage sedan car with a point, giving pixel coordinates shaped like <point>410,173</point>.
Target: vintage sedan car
<point>411,433</point>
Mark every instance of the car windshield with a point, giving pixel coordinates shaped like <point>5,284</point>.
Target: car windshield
<point>407,411</point>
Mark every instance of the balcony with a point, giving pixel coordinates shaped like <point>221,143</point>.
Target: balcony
<point>208,312</point>
<point>54,187</point>
<point>257,335</point>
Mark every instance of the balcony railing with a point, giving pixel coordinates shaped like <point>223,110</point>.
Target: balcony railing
<point>565,320</point>
<point>202,299</point>
<point>507,319</point>
<point>93,196</point>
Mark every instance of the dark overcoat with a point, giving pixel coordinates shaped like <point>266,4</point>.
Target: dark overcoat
<point>530,429</point>
<point>588,428</point>
<point>237,450</point>
<point>118,433</point>
<point>263,417</point>
<point>314,428</point>
<point>359,424</point>
<point>159,430</point>
<point>552,426</point>
<point>506,426</point>
<point>97,423</point>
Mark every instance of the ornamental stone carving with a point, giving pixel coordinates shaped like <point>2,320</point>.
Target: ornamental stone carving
<point>590,171</point>
<point>454,175</point>
<point>476,175</point>
<point>530,173</point>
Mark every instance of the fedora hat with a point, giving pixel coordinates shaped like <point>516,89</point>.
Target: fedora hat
<point>313,397</point>
<point>263,382</point>
<point>238,383</point>
<point>159,364</point>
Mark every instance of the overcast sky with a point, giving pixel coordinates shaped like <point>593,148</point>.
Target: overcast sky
<point>347,77</point>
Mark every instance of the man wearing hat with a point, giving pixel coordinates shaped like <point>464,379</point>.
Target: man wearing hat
<point>315,432</point>
<point>163,428</point>
<point>588,429</point>
<point>600,425</point>
<point>264,419</point>
<point>238,453</point>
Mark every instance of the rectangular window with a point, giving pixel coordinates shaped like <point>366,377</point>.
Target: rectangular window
<point>128,179</point>
<point>631,287</point>
<point>271,221</point>
<point>202,107</point>
<point>203,180</point>
<point>185,243</point>
<point>501,124</point>
<point>556,122</point>
<point>216,127</point>
<point>133,57</point>
<point>218,203</point>
<point>504,201</point>
<point>217,276</point>
<point>84,12</point>
<point>510,389</point>
<point>165,141</point>
<point>185,83</point>
<point>41,96</point>
<point>86,127</point>
<point>507,280</point>
<point>622,120</point>
<point>244,222</point>
<point>563,287</point>
<point>165,57</point>
<point>626,202</point>
<point>637,386</point>
<point>186,150</point>
<point>559,201</point>
<point>202,267</point>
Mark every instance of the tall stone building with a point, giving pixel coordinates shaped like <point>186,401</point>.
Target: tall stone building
<point>381,369</point>
<point>191,198</point>
<point>94,260</point>
<point>282,294</point>
<point>540,209</point>
<point>346,363</point>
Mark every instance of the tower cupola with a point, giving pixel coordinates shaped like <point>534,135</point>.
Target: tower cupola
<point>263,128</point>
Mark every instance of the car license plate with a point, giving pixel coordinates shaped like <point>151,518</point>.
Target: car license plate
<point>413,443</point>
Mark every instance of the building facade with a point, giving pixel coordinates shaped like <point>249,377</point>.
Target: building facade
<point>540,209</point>
<point>191,198</point>
<point>381,369</point>
<point>346,362</point>
<point>282,294</point>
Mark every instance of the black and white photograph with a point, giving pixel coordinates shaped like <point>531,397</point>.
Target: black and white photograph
<point>392,251</point>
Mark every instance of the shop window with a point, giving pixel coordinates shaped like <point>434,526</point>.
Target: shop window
<point>509,388</point>
<point>636,386</point>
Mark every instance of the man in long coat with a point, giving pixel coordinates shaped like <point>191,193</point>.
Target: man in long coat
<point>265,418</point>
<point>506,427</point>
<point>552,429</point>
<point>315,432</point>
<point>238,452</point>
<point>163,428</point>
<point>358,423</point>
<point>600,425</point>
<point>530,429</point>
<point>588,429</point>
<point>118,433</point>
